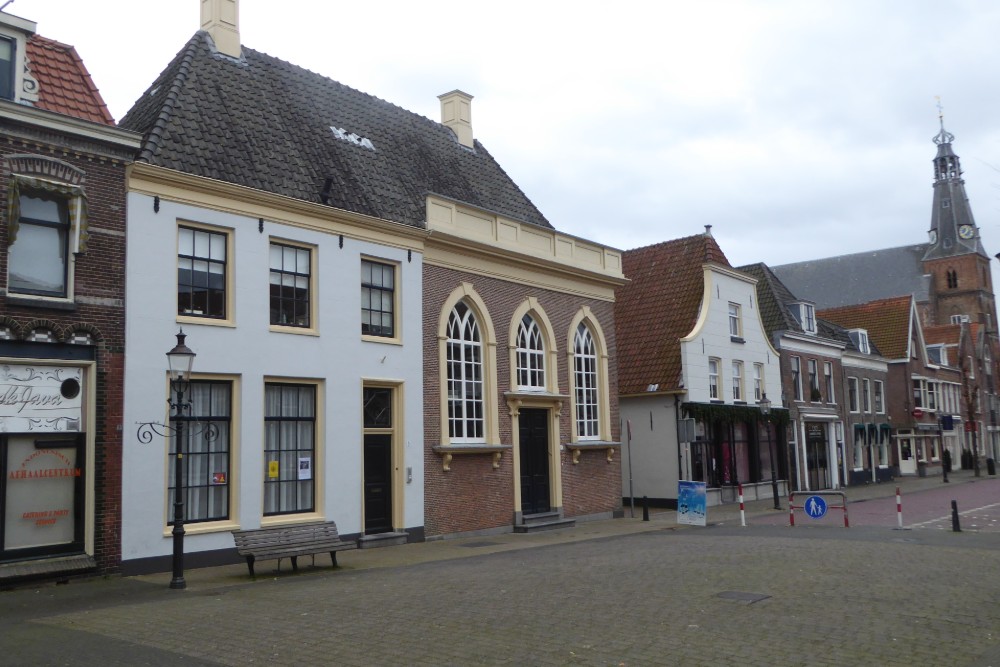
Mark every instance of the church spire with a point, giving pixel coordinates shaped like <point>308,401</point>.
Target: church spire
<point>953,230</point>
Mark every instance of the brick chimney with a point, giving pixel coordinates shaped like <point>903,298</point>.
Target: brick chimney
<point>221,20</point>
<point>456,113</point>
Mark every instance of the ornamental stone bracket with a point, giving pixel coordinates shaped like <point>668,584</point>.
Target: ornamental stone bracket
<point>448,452</point>
<point>578,447</point>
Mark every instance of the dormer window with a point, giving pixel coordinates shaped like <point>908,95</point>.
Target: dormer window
<point>8,51</point>
<point>860,339</point>
<point>805,314</point>
<point>959,319</point>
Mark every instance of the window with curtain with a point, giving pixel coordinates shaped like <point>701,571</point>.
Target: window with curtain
<point>530,356</point>
<point>585,384</point>
<point>37,259</point>
<point>466,421</point>
<point>289,448</point>
<point>206,450</point>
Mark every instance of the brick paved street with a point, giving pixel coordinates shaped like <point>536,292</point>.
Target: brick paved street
<point>665,596</point>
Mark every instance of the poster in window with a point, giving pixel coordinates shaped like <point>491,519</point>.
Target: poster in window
<point>272,469</point>
<point>305,467</point>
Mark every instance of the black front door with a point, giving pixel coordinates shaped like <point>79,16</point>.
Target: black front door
<point>534,450</point>
<point>378,483</point>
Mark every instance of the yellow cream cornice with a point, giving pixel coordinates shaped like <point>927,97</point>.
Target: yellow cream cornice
<point>189,189</point>
<point>467,239</point>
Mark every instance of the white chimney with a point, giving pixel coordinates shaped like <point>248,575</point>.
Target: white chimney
<point>456,113</point>
<point>221,20</point>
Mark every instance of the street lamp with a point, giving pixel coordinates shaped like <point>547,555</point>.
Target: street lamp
<point>765,409</point>
<point>179,360</point>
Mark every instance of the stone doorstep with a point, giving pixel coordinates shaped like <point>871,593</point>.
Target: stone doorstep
<point>382,540</point>
<point>46,567</point>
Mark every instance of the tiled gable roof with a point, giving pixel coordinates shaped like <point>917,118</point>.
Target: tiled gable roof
<point>943,334</point>
<point>886,320</point>
<point>64,84</point>
<point>658,307</point>
<point>266,124</point>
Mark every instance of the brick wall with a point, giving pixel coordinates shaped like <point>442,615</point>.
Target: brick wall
<point>473,495</point>
<point>99,293</point>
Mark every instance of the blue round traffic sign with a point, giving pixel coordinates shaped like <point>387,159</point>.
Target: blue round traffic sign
<point>815,507</point>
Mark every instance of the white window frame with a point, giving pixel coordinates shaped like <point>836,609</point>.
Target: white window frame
<point>796,366</point>
<point>879,397</point>
<point>831,396</point>
<point>735,320</point>
<point>586,384</point>
<point>738,394</point>
<point>758,383</point>
<point>714,363</point>
<point>465,376</point>
<point>853,395</point>
<point>530,355</point>
<point>814,380</point>
<point>866,395</point>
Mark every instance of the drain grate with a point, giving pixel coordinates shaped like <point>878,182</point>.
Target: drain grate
<point>740,596</point>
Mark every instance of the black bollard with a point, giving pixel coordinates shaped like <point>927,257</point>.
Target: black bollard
<point>955,527</point>
<point>645,509</point>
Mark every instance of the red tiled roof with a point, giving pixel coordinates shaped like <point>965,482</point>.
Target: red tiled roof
<point>886,320</point>
<point>64,84</point>
<point>943,334</point>
<point>658,307</point>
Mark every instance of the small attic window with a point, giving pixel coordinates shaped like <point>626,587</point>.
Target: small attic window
<point>352,138</point>
<point>937,354</point>
<point>8,51</point>
<point>805,314</point>
<point>860,339</point>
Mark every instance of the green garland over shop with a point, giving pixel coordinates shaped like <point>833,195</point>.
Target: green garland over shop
<point>721,412</point>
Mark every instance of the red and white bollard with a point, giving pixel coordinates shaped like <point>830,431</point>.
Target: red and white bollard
<point>743,515</point>
<point>899,510</point>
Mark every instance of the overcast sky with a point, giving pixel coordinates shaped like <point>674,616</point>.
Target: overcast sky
<point>798,129</point>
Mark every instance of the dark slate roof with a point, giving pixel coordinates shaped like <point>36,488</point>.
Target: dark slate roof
<point>773,299</point>
<point>264,123</point>
<point>64,84</point>
<point>658,307</point>
<point>862,277</point>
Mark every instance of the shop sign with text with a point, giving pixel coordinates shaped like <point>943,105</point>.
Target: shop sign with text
<point>42,399</point>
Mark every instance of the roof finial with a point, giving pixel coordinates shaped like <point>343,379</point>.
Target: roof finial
<point>942,137</point>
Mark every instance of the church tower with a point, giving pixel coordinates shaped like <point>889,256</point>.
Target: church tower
<point>956,262</point>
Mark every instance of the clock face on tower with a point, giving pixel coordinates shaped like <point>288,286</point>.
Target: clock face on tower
<point>966,231</point>
<point>933,235</point>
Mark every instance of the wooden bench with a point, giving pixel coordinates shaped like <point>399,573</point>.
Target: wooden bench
<point>290,542</point>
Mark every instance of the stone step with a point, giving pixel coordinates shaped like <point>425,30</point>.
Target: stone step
<point>536,525</point>
<point>381,540</point>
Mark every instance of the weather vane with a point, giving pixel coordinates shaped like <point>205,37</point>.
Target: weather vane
<point>942,137</point>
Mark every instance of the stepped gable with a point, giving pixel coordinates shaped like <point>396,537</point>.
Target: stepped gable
<point>263,123</point>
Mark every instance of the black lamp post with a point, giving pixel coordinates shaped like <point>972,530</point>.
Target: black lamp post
<point>765,409</point>
<point>180,360</point>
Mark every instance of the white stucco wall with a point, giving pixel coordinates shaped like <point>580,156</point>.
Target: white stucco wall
<point>711,338</point>
<point>337,357</point>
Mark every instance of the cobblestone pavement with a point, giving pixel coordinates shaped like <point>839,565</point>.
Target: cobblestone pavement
<point>627,593</point>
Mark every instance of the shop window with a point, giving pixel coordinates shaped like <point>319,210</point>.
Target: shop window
<point>289,448</point>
